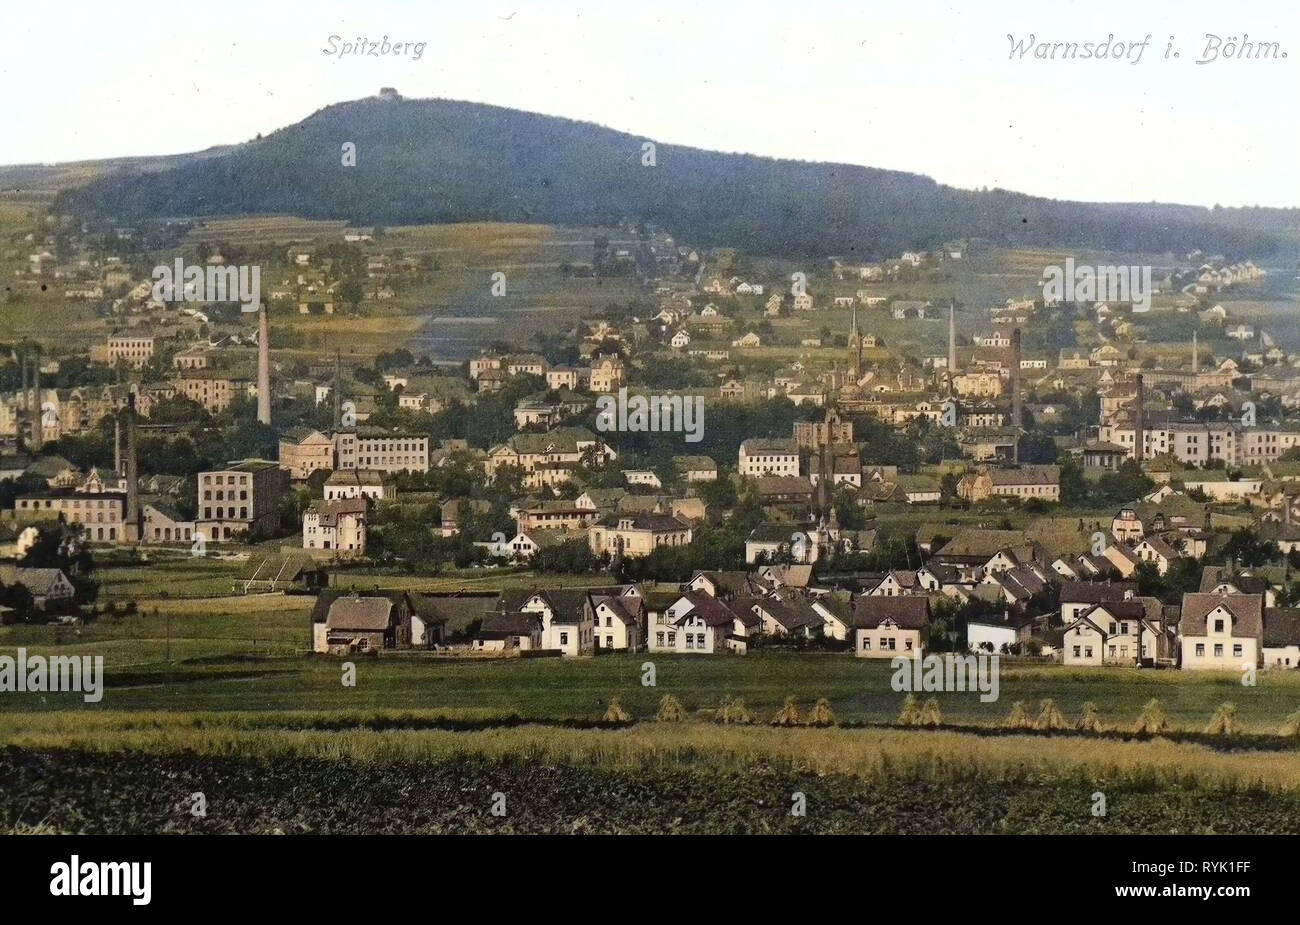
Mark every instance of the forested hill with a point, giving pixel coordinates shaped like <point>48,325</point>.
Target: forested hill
<point>444,161</point>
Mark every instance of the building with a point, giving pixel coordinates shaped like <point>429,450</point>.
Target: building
<point>760,457</point>
<point>336,526</point>
<point>358,483</point>
<point>886,627</point>
<point>304,451</point>
<point>381,450</point>
<point>637,535</point>
<point>1023,482</point>
<point>608,373</point>
<point>133,348</point>
<point>1222,631</point>
<point>240,501</point>
<point>102,514</point>
<point>344,622</point>
<point>215,391</point>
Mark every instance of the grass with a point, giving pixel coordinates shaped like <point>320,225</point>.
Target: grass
<point>550,690</point>
<point>937,755</point>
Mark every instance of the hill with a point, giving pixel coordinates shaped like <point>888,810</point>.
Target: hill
<point>422,161</point>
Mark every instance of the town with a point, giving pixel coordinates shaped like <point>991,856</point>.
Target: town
<point>1090,489</point>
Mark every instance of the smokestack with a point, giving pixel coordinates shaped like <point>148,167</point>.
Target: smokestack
<point>952,344</point>
<point>1015,390</point>
<point>38,413</point>
<point>24,396</point>
<point>1137,421</point>
<point>263,368</point>
<point>117,447</point>
<point>133,530</point>
<point>1196,356</point>
<point>338,389</point>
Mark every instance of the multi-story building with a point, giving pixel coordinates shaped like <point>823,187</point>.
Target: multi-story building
<point>304,451</point>
<point>135,348</point>
<point>761,456</point>
<point>1199,442</point>
<point>211,389</point>
<point>102,514</point>
<point>1222,631</point>
<point>639,535</point>
<point>381,450</point>
<point>608,373</point>
<point>241,500</point>
<point>336,526</point>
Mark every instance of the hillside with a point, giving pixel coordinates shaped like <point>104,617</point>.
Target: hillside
<point>421,161</point>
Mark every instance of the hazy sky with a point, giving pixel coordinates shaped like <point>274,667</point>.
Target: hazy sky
<point>919,86</point>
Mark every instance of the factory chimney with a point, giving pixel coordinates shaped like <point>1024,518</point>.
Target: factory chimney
<point>338,391</point>
<point>133,527</point>
<point>263,368</point>
<point>37,406</point>
<point>1016,421</point>
<point>952,345</point>
<point>1196,355</point>
<point>1138,422</point>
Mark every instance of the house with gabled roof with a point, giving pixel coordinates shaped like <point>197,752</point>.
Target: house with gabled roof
<point>346,621</point>
<point>886,627</point>
<point>1221,631</point>
<point>1155,550</point>
<point>1125,632</point>
<point>696,623</point>
<point>723,585</point>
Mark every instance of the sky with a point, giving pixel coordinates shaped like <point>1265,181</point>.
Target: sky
<point>923,86</point>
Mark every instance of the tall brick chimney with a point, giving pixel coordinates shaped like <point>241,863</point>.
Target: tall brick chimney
<point>1016,417</point>
<point>1138,421</point>
<point>38,411</point>
<point>263,368</point>
<point>133,528</point>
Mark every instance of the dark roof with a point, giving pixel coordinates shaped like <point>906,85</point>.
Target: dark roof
<point>1246,609</point>
<point>1095,592</point>
<point>710,609</point>
<point>1282,626</point>
<point>909,612</point>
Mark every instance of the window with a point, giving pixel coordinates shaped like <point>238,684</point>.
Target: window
<point>564,639</point>
<point>1218,626</point>
<point>1200,649</point>
<point>1218,650</point>
<point>1076,651</point>
<point>1236,651</point>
